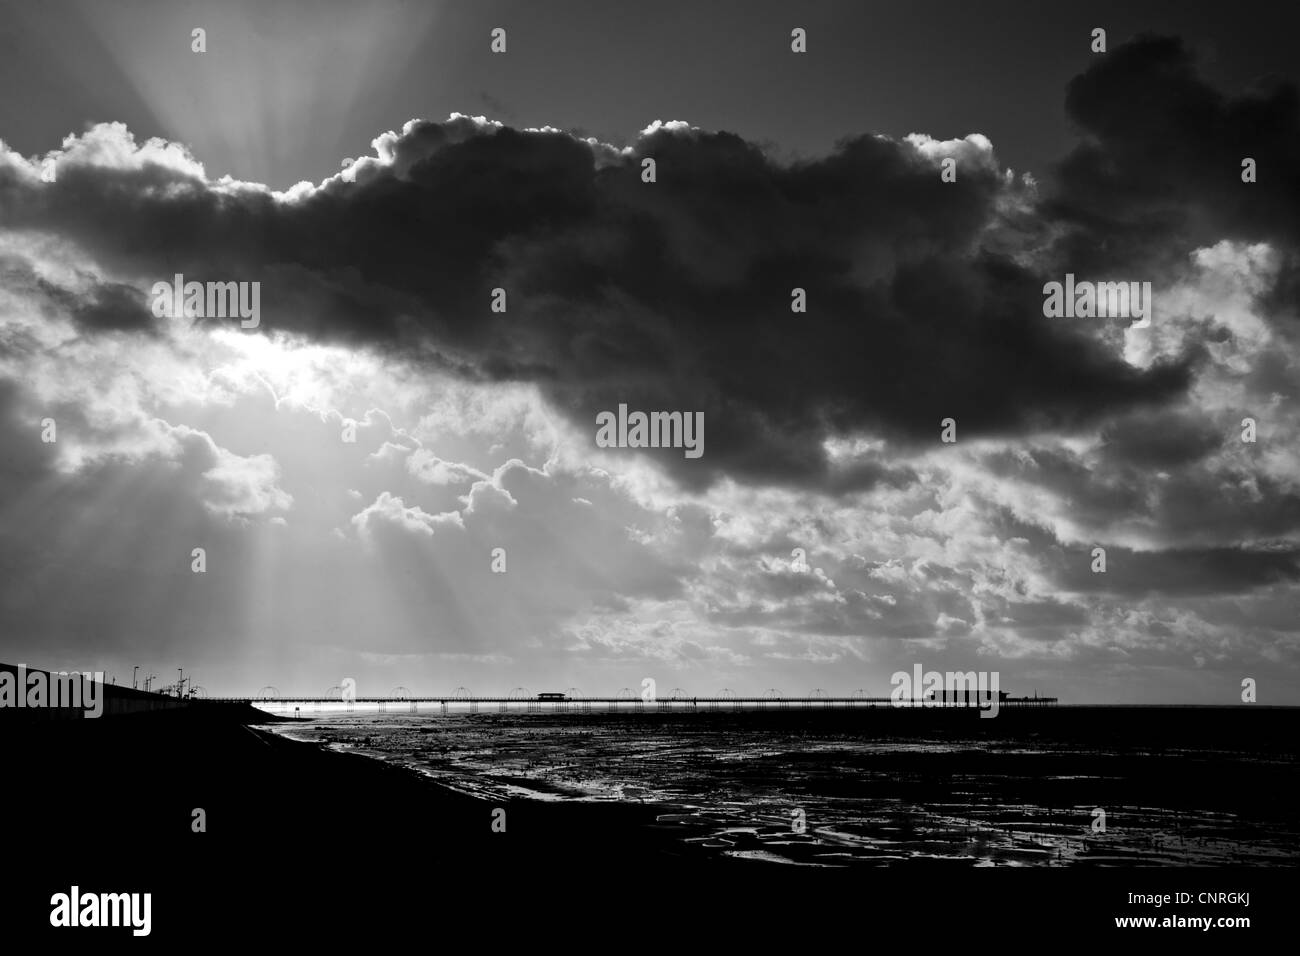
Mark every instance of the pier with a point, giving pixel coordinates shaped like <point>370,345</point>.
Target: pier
<point>550,704</point>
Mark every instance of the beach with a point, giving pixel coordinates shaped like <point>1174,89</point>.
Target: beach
<point>108,805</point>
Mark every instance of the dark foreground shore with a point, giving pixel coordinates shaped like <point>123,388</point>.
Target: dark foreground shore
<point>273,804</point>
<point>303,843</point>
<point>315,842</point>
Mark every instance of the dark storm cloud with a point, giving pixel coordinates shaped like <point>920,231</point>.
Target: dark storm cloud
<point>1163,488</point>
<point>1162,440</point>
<point>666,296</point>
<point>1191,571</point>
<point>1159,169</point>
<point>99,307</point>
<point>113,308</point>
<point>1172,572</point>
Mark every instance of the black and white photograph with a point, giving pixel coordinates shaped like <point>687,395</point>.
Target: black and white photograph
<point>638,474</point>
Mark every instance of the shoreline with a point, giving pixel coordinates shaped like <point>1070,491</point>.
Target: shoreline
<point>304,840</point>
<point>135,781</point>
<point>943,793</point>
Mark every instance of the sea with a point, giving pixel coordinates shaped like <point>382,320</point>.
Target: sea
<point>1061,787</point>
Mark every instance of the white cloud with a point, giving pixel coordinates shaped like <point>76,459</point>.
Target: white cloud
<point>390,510</point>
<point>236,486</point>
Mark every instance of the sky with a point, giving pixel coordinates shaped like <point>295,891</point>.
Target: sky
<point>378,171</point>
